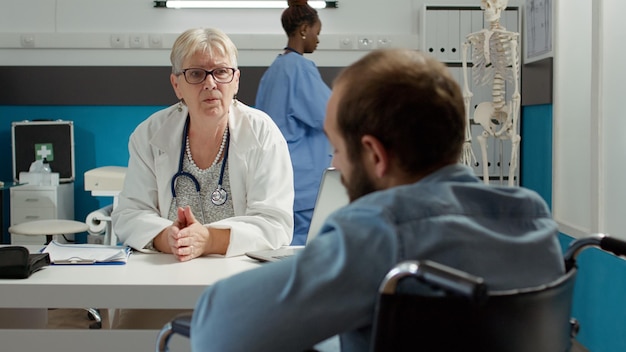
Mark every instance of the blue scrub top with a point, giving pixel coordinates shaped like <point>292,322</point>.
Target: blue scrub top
<point>293,93</point>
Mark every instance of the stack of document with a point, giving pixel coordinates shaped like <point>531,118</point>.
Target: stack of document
<point>61,253</point>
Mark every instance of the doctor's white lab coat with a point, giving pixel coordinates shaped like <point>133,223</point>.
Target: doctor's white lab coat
<point>260,172</point>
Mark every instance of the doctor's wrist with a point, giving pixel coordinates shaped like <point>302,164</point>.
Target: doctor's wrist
<point>160,243</point>
<point>150,246</point>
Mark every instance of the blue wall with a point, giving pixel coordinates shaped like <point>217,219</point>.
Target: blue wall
<point>100,137</point>
<point>601,282</point>
<point>536,150</point>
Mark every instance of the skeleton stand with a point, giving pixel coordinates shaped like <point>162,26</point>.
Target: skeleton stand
<point>495,61</point>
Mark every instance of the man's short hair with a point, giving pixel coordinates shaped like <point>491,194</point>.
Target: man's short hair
<point>407,100</point>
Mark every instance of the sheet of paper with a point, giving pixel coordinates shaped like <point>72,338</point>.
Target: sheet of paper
<point>61,253</point>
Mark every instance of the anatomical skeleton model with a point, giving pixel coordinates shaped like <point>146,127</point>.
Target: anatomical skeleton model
<point>495,58</point>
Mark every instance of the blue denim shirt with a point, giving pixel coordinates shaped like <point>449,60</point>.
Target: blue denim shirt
<point>504,234</point>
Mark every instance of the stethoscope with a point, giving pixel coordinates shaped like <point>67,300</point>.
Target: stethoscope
<point>219,196</point>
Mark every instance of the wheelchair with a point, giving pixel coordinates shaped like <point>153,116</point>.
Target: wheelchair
<point>456,311</point>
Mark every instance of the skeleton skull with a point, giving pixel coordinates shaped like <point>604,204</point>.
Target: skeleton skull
<point>493,9</point>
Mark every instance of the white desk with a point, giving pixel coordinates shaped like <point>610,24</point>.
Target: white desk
<point>146,281</point>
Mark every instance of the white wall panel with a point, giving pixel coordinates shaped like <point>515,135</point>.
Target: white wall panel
<point>66,32</point>
<point>589,145</point>
<point>573,186</point>
<point>612,111</point>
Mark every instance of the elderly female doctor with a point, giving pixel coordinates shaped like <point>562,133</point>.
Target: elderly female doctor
<point>208,175</point>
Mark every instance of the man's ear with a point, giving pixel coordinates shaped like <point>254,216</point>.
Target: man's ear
<point>375,156</point>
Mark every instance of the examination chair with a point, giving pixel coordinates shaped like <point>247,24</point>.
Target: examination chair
<point>451,310</point>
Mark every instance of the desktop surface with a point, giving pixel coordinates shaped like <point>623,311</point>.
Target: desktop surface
<point>146,281</point>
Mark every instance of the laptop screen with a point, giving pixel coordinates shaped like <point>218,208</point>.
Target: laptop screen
<point>331,196</point>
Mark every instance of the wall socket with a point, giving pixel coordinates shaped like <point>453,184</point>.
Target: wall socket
<point>118,41</point>
<point>365,43</point>
<point>346,43</point>
<point>27,40</point>
<point>135,41</point>
<point>155,41</point>
<point>383,42</point>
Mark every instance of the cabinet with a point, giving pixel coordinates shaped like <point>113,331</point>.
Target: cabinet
<point>30,203</point>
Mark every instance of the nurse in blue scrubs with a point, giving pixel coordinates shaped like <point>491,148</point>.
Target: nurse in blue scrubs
<point>293,93</point>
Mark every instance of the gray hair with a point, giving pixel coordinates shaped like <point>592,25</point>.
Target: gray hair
<point>206,40</point>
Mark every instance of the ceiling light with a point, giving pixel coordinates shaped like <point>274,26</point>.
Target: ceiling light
<point>237,4</point>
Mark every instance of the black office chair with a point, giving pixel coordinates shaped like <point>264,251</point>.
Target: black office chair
<point>455,311</point>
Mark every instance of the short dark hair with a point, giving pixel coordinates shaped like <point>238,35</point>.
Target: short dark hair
<point>299,12</point>
<point>407,100</point>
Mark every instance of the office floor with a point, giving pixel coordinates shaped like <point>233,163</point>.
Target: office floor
<point>73,319</point>
<point>78,319</point>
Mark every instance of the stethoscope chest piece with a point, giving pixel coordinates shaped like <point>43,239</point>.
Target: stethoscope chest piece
<point>219,196</point>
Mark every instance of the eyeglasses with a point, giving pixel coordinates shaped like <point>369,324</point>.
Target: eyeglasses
<point>198,75</point>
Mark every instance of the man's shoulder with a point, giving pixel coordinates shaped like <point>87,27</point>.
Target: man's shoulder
<point>448,197</point>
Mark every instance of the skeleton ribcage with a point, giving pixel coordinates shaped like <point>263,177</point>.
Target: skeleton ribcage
<point>493,57</point>
<point>496,57</point>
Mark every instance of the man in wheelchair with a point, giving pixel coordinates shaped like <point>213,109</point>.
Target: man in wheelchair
<point>396,121</point>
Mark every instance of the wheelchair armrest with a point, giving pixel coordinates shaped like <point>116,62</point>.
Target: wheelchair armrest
<point>600,240</point>
<point>437,276</point>
<point>179,325</point>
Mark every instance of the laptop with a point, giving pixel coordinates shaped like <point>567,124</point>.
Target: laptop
<point>331,196</point>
